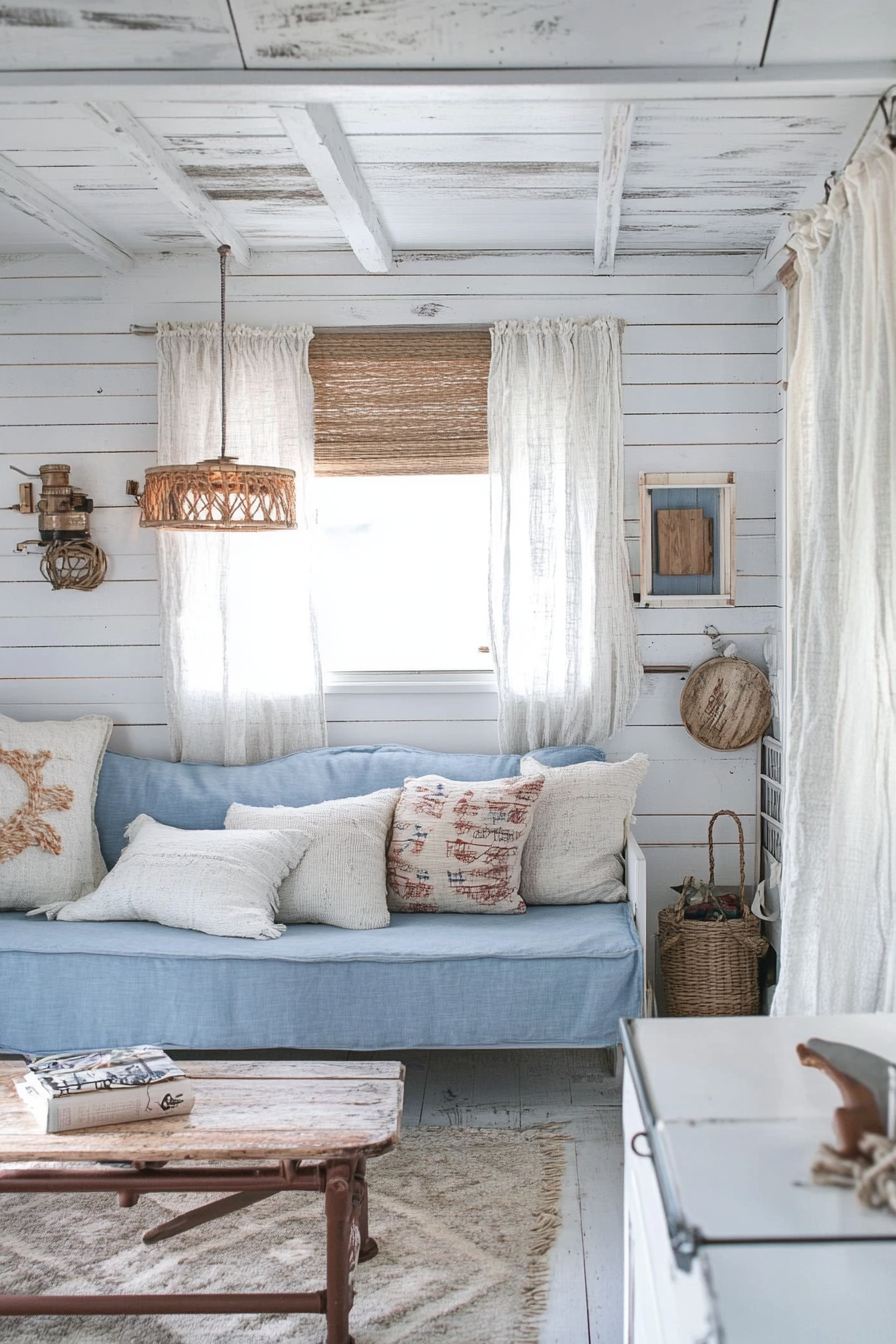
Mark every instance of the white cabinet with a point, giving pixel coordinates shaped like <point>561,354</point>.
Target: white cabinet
<point>664,1305</point>
<point>726,1240</point>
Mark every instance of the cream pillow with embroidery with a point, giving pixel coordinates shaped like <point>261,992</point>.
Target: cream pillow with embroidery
<point>49,847</point>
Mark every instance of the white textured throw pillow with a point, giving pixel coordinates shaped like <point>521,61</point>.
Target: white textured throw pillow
<point>342,878</point>
<point>214,881</point>
<point>49,848</point>
<point>577,836</point>
<point>457,847</point>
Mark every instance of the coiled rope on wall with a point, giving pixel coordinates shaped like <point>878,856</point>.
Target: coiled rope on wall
<point>74,564</point>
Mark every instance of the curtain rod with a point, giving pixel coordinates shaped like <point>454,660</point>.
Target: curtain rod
<point>136,329</point>
<point>879,106</point>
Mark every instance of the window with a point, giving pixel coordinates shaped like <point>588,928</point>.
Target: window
<point>402,573</point>
<point>401,456</point>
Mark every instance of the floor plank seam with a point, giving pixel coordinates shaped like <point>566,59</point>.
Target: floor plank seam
<point>575,1158</point>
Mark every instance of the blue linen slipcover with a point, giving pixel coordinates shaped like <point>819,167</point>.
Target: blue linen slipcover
<point>558,975</point>
<point>197,796</point>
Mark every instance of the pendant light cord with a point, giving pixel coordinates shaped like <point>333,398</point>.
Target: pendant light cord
<point>223,253</point>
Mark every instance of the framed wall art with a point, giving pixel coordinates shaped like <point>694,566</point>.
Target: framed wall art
<point>687,538</point>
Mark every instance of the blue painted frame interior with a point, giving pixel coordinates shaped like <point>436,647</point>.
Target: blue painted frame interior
<point>684,497</point>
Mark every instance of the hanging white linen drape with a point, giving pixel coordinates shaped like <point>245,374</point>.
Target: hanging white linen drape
<point>562,618</point>
<point>239,645</point>
<point>839,864</point>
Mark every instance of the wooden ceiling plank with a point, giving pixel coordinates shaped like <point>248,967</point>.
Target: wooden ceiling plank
<point>485,181</point>
<point>532,147</point>
<point>423,34</point>
<point>321,145</point>
<point>31,197</point>
<point>619,119</point>
<point>195,34</point>
<point>170,178</point>
<point>806,30</point>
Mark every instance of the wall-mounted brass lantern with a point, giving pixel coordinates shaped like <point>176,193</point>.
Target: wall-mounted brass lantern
<point>71,559</point>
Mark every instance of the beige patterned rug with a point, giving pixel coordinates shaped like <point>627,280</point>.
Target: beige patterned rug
<point>464,1221</point>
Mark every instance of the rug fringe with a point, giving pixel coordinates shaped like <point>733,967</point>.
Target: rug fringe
<point>545,1228</point>
<point>552,1140</point>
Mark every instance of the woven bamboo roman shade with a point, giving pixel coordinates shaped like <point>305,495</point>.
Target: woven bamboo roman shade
<point>400,403</point>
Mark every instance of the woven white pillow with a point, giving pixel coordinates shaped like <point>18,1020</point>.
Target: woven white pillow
<point>457,847</point>
<point>342,877</point>
<point>577,836</point>
<point>49,847</point>
<point>214,881</point>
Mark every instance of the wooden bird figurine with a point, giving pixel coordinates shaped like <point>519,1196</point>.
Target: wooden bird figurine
<point>864,1082</point>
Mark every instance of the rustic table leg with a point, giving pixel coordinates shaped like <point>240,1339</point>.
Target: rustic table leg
<point>369,1247</point>
<point>340,1226</point>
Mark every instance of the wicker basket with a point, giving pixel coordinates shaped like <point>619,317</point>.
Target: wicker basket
<point>710,969</point>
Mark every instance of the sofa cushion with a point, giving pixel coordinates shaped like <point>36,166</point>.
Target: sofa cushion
<point>457,847</point>
<point>574,852</point>
<point>561,975</point>
<point>342,877</point>
<point>49,849</point>
<point>220,884</point>
<point>197,797</point>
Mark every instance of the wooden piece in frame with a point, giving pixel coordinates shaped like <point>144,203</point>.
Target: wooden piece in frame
<point>712,491</point>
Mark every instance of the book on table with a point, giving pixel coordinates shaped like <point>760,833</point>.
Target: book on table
<point>104,1087</point>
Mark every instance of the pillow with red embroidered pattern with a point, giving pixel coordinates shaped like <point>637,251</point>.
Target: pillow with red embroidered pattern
<point>457,847</point>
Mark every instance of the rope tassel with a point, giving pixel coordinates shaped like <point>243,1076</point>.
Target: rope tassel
<point>872,1174</point>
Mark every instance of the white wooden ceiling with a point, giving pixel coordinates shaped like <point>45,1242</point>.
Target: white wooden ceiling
<point>740,125</point>
<point>438,34</point>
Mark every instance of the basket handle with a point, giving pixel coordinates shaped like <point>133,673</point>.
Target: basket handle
<point>725,812</point>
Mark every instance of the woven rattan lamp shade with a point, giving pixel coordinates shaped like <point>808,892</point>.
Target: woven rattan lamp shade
<point>400,403</point>
<point>219,496</point>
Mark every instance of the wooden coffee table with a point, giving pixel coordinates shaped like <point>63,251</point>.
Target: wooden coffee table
<point>305,1126</point>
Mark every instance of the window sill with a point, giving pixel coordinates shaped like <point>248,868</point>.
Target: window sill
<point>409,683</point>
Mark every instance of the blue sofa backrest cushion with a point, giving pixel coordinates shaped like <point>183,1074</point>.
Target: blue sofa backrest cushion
<point>196,797</point>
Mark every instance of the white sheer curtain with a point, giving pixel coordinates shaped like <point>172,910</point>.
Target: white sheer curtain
<point>839,871</point>
<point>239,644</point>
<point>563,622</point>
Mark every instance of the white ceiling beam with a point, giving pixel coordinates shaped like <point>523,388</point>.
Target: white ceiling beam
<point>851,79</point>
<point>320,143</point>
<point>135,141</point>
<point>619,118</point>
<point>24,191</point>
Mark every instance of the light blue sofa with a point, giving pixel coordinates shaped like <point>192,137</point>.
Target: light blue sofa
<point>556,976</point>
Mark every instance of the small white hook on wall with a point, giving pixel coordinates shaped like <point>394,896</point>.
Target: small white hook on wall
<point>718,648</point>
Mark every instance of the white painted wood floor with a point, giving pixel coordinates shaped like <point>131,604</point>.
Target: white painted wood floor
<point>513,1089</point>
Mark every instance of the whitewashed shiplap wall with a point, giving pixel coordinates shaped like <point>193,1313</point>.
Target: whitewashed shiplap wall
<point>701,393</point>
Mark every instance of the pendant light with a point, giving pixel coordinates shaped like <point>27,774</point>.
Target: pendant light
<point>218,495</point>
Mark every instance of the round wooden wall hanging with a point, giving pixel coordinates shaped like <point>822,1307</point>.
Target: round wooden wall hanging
<point>726,704</point>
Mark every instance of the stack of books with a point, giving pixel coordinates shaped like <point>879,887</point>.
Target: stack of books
<point>104,1087</point>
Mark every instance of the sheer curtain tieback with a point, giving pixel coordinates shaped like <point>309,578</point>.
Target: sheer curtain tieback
<point>239,644</point>
<point>562,616</point>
